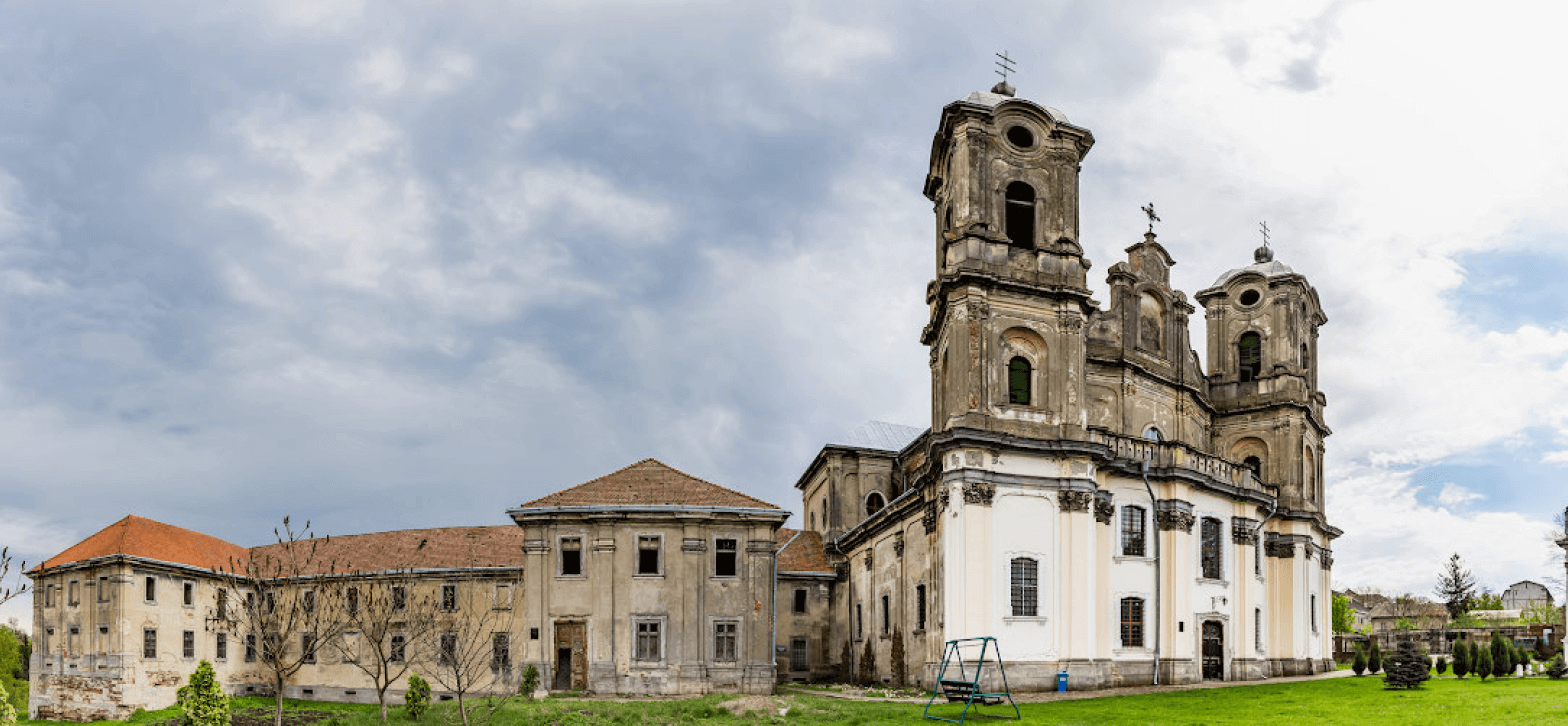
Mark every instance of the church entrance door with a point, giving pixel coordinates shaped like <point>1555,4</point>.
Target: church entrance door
<point>1213,651</point>
<point>571,656</point>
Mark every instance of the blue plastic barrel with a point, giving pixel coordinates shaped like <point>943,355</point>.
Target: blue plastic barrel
<point>1061,681</point>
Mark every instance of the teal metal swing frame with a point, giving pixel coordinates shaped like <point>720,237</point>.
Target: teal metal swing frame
<point>964,686</point>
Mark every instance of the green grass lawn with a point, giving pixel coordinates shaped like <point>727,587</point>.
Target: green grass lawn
<point>1336,701</point>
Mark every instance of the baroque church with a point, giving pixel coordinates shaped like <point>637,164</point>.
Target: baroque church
<point>1086,494</point>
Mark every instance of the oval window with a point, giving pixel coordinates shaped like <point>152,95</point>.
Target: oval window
<point>1020,137</point>
<point>875,503</point>
<point>1250,297</point>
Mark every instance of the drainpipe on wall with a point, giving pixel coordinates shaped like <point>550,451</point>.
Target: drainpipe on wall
<point>1154,509</point>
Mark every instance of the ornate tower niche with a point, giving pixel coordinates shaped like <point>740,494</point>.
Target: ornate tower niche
<point>1263,324</point>
<point>1010,296</point>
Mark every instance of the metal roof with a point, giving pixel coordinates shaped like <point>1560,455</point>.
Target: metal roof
<point>879,435</point>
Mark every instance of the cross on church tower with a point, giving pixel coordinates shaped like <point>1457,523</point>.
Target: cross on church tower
<point>1149,210</point>
<point>1263,254</point>
<point>1004,66</point>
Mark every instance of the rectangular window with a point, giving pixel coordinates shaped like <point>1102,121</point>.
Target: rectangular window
<point>188,644</point>
<point>250,647</point>
<point>860,623</point>
<point>887,622</point>
<point>221,647</point>
<point>648,555</point>
<point>70,596</point>
<point>271,647</point>
<point>250,602</point>
<point>500,651</point>
<point>1026,582</point>
<point>149,643</point>
<point>399,650</point>
<point>1257,556</point>
<point>223,604</point>
<point>152,589</point>
<point>48,642</point>
<point>308,603</point>
<point>103,638</point>
<point>270,601</point>
<point>103,589</point>
<point>649,645</point>
<point>73,639</point>
<point>351,601</point>
<point>448,649</point>
<point>1257,628</point>
<point>189,594</point>
<point>724,641</point>
<point>1132,532</point>
<point>797,654</point>
<point>49,596</point>
<point>920,607</point>
<point>1211,549</point>
<point>1132,622</point>
<point>724,557</point>
<point>503,596</point>
<point>571,556</point>
<point>307,646</point>
<point>399,598</point>
<point>449,598</point>
<point>800,600</point>
<point>1314,613</point>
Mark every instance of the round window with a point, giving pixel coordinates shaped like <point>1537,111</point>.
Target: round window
<point>1020,137</point>
<point>1250,297</point>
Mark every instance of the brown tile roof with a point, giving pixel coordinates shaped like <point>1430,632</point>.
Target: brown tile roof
<point>140,537</point>
<point>443,548</point>
<point>805,554</point>
<point>648,482</point>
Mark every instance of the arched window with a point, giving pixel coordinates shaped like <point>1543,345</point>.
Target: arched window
<point>1255,464</point>
<point>1153,434</point>
<point>1018,374</point>
<point>1249,356</point>
<point>874,503</point>
<point>1132,622</point>
<point>1026,587</point>
<point>1020,214</point>
<point>813,520</point>
<point>1211,548</point>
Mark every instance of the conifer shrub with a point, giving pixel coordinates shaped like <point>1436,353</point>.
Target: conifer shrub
<point>1483,661</point>
<point>1407,668</point>
<point>202,700</point>
<point>844,673</point>
<point>416,700</point>
<point>1375,658</point>
<point>1556,669</point>
<point>1442,665</point>
<point>1502,656</point>
<point>867,675</point>
<point>1359,665</point>
<point>897,657</point>
<point>1461,658</point>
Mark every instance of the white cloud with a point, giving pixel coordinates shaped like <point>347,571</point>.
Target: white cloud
<point>811,48</point>
<point>1555,457</point>
<point>1453,495</point>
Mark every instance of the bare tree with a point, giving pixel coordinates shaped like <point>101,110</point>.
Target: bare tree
<point>387,619</point>
<point>280,598</point>
<point>473,637</point>
<point>6,593</point>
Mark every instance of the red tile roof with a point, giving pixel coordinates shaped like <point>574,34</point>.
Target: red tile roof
<point>648,482</point>
<point>435,549</point>
<point>805,554</point>
<point>140,537</point>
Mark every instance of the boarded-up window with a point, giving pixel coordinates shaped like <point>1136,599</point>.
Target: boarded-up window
<point>1018,374</point>
<point>1026,585</point>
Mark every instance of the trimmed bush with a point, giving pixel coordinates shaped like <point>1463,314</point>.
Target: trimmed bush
<point>1359,665</point>
<point>530,682</point>
<point>1375,658</point>
<point>866,675</point>
<point>1442,665</point>
<point>202,700</point>
<point>1461,658</point>
<point>1407,668</point>
<point>1483,661</point>
<point>1556,669</point>
<point>416,701</point>
<point>1502,656</point>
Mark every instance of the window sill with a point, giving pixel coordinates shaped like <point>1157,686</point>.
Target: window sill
<point>731,578</point>
<point>1208,581</point>
<point>1133,651</point>
<point>1038,619</point>
<point>653,576</point>
<point>571,577</point>
<point>884,636</point>
<point>1145,559</point>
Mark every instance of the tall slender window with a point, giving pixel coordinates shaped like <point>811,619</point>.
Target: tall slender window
<point>860,623</point>
<point>1249,356</point>
<point>1257,628</point>
<point>1314,613</point>
<point>920,607</point>
<point>571,556</point>
<point>887,624</point>
<point>1018,371</point>
<point>1211,548</point>
<point>648,555</point>
<point>1132,622</point>
<point>724,554</point>
<point>1026,579</point>
<point>1133,532</point>
<point>1257,556</point>
<point>1020,214</point>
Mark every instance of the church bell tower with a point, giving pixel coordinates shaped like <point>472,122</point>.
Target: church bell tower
<point>1010,297</point>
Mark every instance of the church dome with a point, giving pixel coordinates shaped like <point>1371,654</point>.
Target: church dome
<point>1265,265</point>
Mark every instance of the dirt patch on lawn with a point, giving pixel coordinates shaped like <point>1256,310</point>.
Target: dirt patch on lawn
<point>770,705</point>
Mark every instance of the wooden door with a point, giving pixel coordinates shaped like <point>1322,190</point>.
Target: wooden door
<point>571,648</point>
<point>1213,651</point>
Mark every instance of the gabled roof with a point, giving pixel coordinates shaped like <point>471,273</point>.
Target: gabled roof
<point>648,483</point>
<point>803,553</point>
<point>140,537</point>
<point>413,549</point>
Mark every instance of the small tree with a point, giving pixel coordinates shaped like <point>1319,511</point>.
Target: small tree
<point>530,682</point>
<point>387,618</point>
<point>1461,658</point>
<point>1482,662</point>
<point>1556,669</point>
<point>7,711</point>
<point>867,676</point>
<point>1375,658</point>
<point>1344,617</point>
<point>1502,656</point>
<point>202,700</point>
<point>14,655</point>
<point>896,658</point>
<point>416,700</point>
<point>473,634</point>
<point>1455,587</point>
<point>1407,668</point>
<point>1442,665</point>
<point>1359,664</point>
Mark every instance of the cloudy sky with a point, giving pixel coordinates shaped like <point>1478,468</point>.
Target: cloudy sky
<point>385,265</point>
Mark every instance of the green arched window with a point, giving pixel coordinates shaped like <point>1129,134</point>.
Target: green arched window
<point>1249,356</point>
<point>1018,371</point>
